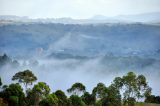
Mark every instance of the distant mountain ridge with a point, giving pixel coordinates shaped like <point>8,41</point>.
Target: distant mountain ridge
<point>143,18</point>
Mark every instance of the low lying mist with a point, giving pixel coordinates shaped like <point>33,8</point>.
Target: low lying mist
<point>62,73</point>
<point>90,54</point>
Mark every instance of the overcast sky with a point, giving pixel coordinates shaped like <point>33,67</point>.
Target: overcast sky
<point>76,8</point>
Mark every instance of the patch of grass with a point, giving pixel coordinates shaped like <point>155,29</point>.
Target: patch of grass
<point>147,104</point>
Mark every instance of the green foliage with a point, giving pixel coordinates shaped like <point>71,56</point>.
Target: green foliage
<point>39,91</point>
<point>41,88</point>
<point>148,92</point>
<point>50,100</point>
<point>99,91</point>
<point>118,82</point>
<point>153,99</point>
<point>62,98</point>
<point>112,97</point>
<point>98,103</point>
<point>76,101</point>
<point>44,102</point>
<point>13,101</point>
<point>88,99</point>
<point>131,101</point>
<point>30,97</point>
<point>108,96</point>
<point>132,86</point>
<point>77,89</point>
<point>14,94</point>
<point>26,77</point>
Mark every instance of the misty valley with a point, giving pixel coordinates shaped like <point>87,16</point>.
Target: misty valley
<point>63,54</point>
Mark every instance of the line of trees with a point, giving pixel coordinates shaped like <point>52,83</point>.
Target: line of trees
<point>125,90</point>
<point>5,60</point>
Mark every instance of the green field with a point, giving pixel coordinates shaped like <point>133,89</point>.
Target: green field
<point>147,104</point>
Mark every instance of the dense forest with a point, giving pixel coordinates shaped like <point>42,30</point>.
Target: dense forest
<point>123,91</point>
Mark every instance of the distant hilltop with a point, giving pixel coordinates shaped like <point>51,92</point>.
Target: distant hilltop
<point>139,18</point>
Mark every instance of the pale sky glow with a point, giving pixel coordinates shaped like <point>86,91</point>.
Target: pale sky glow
<point>76,8</point>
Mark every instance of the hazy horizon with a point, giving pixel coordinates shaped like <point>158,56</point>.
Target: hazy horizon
<point>92,17</point>
<point>77,9</point>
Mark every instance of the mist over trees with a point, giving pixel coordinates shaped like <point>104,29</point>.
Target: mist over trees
<point>123,91</point>
<point>82,55</point>
<point>6,60</point>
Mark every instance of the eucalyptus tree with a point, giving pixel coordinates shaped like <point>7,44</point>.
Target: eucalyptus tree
<point>26,77</point>
<point>62,98</point>
<point>112,97</point>
<point>40,91</point>
<point>132,86</point>
<point>77,89</point>
<point>13,95</point>
<point>76,101</point>
<point>99,91</point>
<point>89,99</point>
<point>49,100</point>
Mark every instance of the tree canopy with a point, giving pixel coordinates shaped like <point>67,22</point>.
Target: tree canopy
<point>26,77</point>
<point>123,91</point>
<point>132,86</point>
<point>77,89</point>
